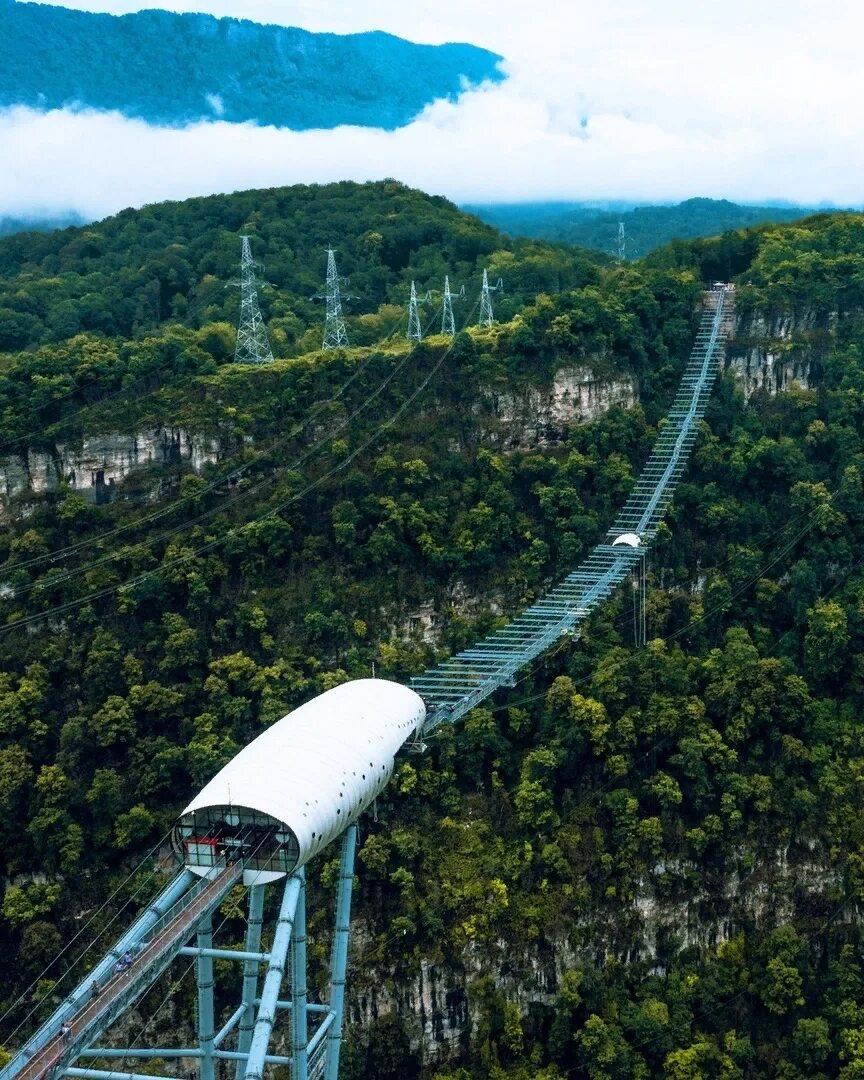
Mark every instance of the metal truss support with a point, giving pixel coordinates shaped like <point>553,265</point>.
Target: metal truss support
<point>486,316</point>
<point>299,1018</point>
<point>415,330</point>
<point>250,974</point>
<point>206,1021</point>
<point>448,323</point>
<point>266,1016</point>
<point>339,962</point>
<point>335,334</point>
<point>252,345</point>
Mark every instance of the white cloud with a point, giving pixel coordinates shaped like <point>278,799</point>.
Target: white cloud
<point>216,104</point>
<point>749,99</point>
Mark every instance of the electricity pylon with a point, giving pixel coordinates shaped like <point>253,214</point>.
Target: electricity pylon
<point>415,331</point>
<point>486,316</point>
<point>335,334</point>
<point>252,345</point>
<point>622,243</point>
<point>448,323</point>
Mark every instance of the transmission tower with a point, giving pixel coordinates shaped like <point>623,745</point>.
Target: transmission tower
<point>415,331</point>
<point>252,344</point>
<point>448,323</point>
<point>486,316</point>
<point>335,334</point>
<point>622,243</point>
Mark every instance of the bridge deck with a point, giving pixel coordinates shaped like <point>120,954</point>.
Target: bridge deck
<point>94,1017</point>
<point>460,683</point>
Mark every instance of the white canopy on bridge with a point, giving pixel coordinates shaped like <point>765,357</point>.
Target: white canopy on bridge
<point>304,779</point>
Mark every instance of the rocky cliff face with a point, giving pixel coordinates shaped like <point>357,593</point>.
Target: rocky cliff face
<point>102,461</point>
<point>774,354</point>
<point>435,1001</point>
<point>538,416</point>
<point>770,354</point>
<point>95,468</point>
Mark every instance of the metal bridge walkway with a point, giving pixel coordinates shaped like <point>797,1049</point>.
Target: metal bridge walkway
<point>168,936</point>
<point>457,685</point>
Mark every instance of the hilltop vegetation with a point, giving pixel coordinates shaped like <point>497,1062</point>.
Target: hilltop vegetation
<point>170,263</point>
<point>646,227</point>
<point>714,771</point>
<point>174,69</point>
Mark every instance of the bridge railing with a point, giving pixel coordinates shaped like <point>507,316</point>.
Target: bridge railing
<point>128,982</point>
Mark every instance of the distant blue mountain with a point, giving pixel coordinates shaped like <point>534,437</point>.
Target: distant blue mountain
<point>595,224</point>
<point>178,69</point>
<point>31,223</point>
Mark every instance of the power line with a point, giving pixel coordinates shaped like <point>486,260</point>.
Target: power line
<point>238,530</point>
<point>207,514</point>
<point>237,472</point>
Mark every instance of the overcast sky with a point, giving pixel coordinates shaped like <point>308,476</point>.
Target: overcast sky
<point>745,99</point>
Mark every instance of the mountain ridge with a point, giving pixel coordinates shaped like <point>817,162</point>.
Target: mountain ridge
<point>236,70</point>
<point>647,226</point>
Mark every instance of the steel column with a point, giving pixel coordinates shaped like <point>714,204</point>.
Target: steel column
<point>206,1021</point>
<point>339,963</point>
<point>250,974</point>
<point>299,1026</point>
<point>273,980</point>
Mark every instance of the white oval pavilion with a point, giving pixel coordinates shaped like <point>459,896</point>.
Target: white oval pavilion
<point>301,782</point>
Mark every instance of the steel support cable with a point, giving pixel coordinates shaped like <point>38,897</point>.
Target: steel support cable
<point>217,542</point>
<point>19,1000</point>
<point>61,553</point>
<point>39,1001</point>
<point>213,511</point>
<point>699,619</point>
<point>114,979</point>
<point>84,408</point>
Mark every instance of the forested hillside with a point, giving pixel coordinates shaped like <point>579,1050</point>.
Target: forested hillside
<point>645,227</point>
<point>174,69</point>
<point>141,269</point>
<point>640,863</point>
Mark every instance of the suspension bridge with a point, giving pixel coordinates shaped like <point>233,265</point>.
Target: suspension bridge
<point>301,786</point>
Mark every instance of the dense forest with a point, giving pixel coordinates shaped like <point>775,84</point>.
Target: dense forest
<point>175,69</point>
<point>673,832</point>
<point>645,227</point>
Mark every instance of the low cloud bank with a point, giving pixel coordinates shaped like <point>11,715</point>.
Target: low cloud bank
<point>609,104</point>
